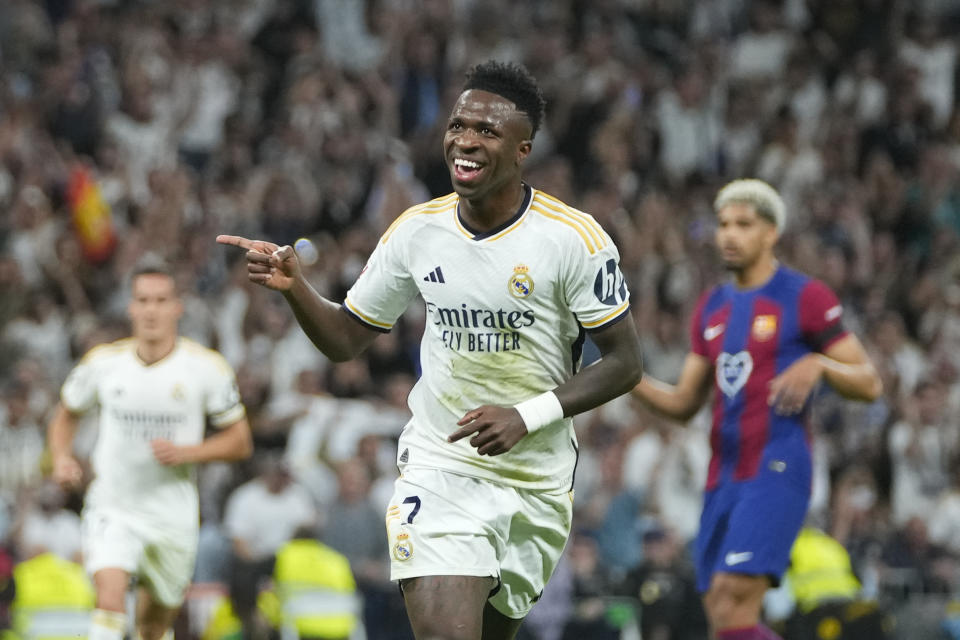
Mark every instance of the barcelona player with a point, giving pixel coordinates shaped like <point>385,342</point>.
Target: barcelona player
<point>763,341</point>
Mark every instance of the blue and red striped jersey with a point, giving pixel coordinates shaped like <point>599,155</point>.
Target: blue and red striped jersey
<point>751,336</point>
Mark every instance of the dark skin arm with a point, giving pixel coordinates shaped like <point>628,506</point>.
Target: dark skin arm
<point>496,430</point>
<point>332,331</point>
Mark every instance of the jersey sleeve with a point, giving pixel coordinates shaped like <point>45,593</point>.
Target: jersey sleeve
<point>821,316</point>
<point>384,288</point>
<point>698,343</point>
<point>596,289</point>
<point>222,402</point>
<point>79,392</point>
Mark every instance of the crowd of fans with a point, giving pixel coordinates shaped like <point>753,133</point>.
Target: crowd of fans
<point>146,126</point>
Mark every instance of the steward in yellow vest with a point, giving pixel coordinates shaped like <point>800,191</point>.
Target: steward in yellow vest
<point>317,592</point>
<point>53,601</point>
<point>827,594</point>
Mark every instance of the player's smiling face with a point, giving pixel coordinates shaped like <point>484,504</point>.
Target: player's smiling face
<point>485,143</point>
<point>154,308</point>
<point>743,236</point>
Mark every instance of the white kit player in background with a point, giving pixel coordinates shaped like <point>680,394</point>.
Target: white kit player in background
<point>155,392</point>
<point>512,279</point>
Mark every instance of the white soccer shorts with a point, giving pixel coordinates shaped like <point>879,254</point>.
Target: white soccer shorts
<point>441,523</point>
<point>163,563</point>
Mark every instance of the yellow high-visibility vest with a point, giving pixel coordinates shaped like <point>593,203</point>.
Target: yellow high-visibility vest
<point>317,591</point>
<point>53,601</point>
<point>820,570</point>
<point>225,625</point>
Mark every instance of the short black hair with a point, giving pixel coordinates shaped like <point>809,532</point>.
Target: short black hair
<point>513,82</point>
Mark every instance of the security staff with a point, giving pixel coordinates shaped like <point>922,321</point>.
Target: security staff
<point>54,599</point>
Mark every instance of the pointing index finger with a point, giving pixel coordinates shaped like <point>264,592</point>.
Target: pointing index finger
<point>236,241</point>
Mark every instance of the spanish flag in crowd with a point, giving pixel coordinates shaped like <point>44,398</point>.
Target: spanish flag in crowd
<point>91,216</point>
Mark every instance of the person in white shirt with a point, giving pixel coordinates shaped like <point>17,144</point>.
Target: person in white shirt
<point>155,392</point>
<point>512,279</point>
<point>262,515</point>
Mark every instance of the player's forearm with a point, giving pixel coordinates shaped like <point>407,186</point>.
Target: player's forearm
<point>233,443</point>
<point>611,376</point>
<point>859,381</point>
<point>60,433</point>
<point>666,399</point>
<point>327,326</point>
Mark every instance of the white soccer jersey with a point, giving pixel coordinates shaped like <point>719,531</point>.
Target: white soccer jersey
<point>506,313</point>
<point>169,399</point>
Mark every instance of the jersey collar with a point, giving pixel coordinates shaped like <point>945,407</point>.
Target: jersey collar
<point>500,229</point>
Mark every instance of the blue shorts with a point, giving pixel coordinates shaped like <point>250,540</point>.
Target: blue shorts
<point>749,527</point>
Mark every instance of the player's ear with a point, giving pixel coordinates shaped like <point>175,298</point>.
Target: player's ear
<point>523,150</point>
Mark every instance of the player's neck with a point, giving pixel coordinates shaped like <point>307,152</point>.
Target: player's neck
<point>486,213</point>
<point>756,274</point>
<point>152,351</point>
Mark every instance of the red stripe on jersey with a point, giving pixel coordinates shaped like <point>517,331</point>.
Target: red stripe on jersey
<point>765,327</point>
<point>711,348</point>
<point>716,444</point>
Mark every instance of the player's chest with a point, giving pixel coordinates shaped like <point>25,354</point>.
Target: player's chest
<point>754,332</point>
<point>157,387</point>
<point>503,274</point>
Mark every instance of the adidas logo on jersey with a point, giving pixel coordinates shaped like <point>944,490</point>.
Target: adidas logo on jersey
<point>434,276</point>
<point>405,456</point>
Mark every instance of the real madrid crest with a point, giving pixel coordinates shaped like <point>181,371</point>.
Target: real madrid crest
<point>403,549</point>
<point>521,284</point>
<point>178,393</point>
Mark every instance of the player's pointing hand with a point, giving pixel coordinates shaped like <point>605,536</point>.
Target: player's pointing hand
<point>497,429</point>
<point>268,264</point>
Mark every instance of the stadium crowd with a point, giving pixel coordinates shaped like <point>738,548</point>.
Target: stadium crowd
<point>141,126</point>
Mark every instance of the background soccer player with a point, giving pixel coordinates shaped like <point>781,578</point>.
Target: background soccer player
<point>155,392</point>
<point>766,339</point>
<point>511,278</point>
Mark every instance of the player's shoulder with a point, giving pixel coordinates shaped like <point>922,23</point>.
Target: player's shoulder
<point>419,215</point>
<point>200,354</point>
<point>108,351</point>
<point>714,297</point>
<point>565,221</point>
<point>804,285</point>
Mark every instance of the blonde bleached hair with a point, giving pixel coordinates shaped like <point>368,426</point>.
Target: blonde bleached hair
<point>757,193</point>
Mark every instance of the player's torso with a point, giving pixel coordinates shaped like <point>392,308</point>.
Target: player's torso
<point>751,337</point>
<point>140,403</point>
<point>496,314</point>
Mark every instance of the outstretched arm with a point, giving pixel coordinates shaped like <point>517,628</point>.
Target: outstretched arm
<point>496,430</point>
<point>335,334</point>
<point>682,400</point>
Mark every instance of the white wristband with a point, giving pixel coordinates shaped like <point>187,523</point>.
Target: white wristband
<point>539,411</point>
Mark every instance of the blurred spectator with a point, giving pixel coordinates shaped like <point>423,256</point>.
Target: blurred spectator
<point>262,514</point>
<point>922,444</point>
<point>665,588</point>
<point>591,586</point>
<point>47,526</point>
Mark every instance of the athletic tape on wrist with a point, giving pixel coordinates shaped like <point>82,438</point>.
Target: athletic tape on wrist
<point>539,411</point>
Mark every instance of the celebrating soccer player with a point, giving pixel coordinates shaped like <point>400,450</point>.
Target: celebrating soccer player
<point>155,392</point>
<point>766,339</point>
<point>512,279</point>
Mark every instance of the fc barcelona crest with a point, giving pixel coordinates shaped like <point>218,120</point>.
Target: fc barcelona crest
<point>764,327</point>
<point>403,549</point>
<point>521,284</point>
